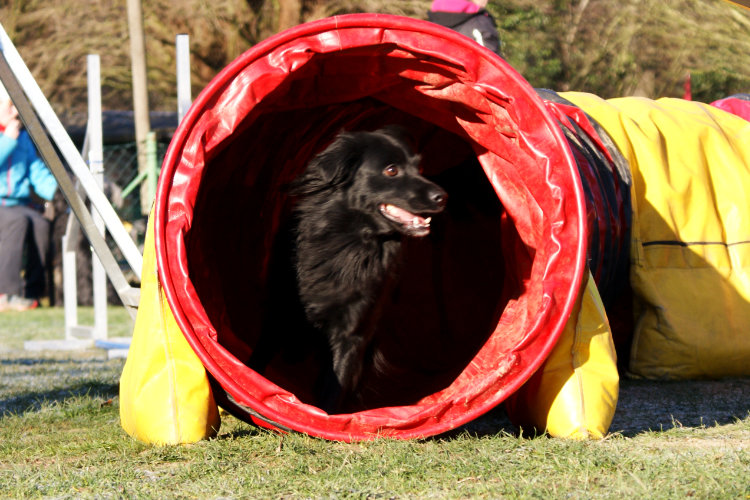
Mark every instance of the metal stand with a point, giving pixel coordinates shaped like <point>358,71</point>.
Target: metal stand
<point>42,123</point>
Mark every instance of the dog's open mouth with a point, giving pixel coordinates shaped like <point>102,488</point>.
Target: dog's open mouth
<point>411,224</point>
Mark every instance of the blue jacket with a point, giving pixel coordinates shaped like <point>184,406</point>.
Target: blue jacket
<point>20,170</point>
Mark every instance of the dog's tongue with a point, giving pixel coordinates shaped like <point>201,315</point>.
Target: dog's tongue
<point>406,218</point>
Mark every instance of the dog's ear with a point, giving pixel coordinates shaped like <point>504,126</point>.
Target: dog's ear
<point>332,167</point>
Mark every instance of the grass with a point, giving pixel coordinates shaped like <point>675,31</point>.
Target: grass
<point>60,438</point>
<point>48,323</point>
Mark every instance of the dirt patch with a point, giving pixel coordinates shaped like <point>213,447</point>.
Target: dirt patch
<point>660,405</point>
<point>651,405</point>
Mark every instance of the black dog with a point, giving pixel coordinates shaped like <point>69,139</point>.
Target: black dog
<point>356,200</point>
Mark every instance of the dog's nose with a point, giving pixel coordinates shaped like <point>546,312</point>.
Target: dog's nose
<point>439,197</point>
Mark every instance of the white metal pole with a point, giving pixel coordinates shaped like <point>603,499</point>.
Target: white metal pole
<point>184,96</point>
<point>70,287</point>
<point>96,166</point>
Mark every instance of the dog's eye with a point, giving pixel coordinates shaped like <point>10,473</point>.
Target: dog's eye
<point>391,170</point>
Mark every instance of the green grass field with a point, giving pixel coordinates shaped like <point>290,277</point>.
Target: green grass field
<point>60,437</point>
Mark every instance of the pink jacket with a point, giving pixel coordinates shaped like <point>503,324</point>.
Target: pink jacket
<point>454,6</point>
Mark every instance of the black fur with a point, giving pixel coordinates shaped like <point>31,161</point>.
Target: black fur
<point>347,243</point>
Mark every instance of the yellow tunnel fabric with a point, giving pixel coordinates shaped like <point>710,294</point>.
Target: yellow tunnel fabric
<point>574,394</point>
<point>690,250</point>
<point>165,396</point>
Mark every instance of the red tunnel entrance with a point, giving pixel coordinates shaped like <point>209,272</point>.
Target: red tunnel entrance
<point>480,305</point>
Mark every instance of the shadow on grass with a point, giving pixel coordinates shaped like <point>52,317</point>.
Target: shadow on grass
<point>245,432</point>
<point>41,361</point>
<point>34,401</point>
<point>646,405</point>
<point>30,383</point>
<point>492,423</point>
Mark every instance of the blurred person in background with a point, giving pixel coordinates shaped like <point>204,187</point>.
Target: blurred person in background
<point>468,17</point>
<point>23,228</point>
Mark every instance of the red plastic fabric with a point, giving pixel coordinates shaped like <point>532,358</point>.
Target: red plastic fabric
<point>737,104</point>
<point>606,179</point>
<point>479,310</point>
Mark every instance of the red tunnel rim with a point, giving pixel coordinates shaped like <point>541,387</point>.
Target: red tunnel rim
<point>359,21</point>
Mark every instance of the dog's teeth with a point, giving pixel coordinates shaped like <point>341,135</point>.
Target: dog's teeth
<point>428,220</point>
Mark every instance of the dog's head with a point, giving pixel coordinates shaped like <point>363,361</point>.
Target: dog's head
<point>377,173</point>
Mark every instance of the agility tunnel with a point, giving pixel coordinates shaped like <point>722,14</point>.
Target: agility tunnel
<point>690,234</point>
<point>504,288</point>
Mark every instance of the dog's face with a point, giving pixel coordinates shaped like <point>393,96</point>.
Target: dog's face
<point>378,174</point>
<point>389,182</point>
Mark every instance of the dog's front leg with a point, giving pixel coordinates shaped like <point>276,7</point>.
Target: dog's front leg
<point>348,355</point>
